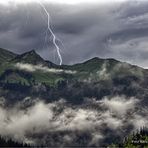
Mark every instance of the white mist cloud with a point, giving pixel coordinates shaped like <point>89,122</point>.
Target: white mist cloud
<point>140,118</point>
<point>33,68</point>
<point>18,122</point>
<point>140,121</point>
<point>119,105</point>
<point>103,74</point>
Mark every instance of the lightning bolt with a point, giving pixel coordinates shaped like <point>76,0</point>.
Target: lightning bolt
<point>54,39</point>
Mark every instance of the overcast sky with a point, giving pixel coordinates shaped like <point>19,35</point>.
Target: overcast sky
<point>111,28</point>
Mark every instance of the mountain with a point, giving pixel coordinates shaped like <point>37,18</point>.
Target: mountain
<point>6,55</point>
<point>94,78</point>
<point>100,96</point>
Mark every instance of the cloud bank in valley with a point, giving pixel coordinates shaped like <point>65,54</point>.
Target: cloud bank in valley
<point>43,119</point>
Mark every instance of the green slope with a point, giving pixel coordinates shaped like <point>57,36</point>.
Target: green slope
<point>6,55</point>
<point>92,65</point>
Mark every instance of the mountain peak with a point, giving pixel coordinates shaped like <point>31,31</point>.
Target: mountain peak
<point>31,57</point>
<point>97,59</point>
<point>31,52</point>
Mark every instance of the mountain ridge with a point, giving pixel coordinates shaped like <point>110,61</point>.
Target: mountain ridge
<point>32,57</point>
<point>19,58</point>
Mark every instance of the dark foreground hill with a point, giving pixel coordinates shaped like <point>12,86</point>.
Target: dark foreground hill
<point>138,139</point>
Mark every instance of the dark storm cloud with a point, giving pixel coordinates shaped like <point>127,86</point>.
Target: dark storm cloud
<point>128,34</point>
<point>117,30</point>
<point>132,9</point>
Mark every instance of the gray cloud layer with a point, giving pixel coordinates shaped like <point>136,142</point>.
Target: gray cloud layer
<point>117,30</point>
